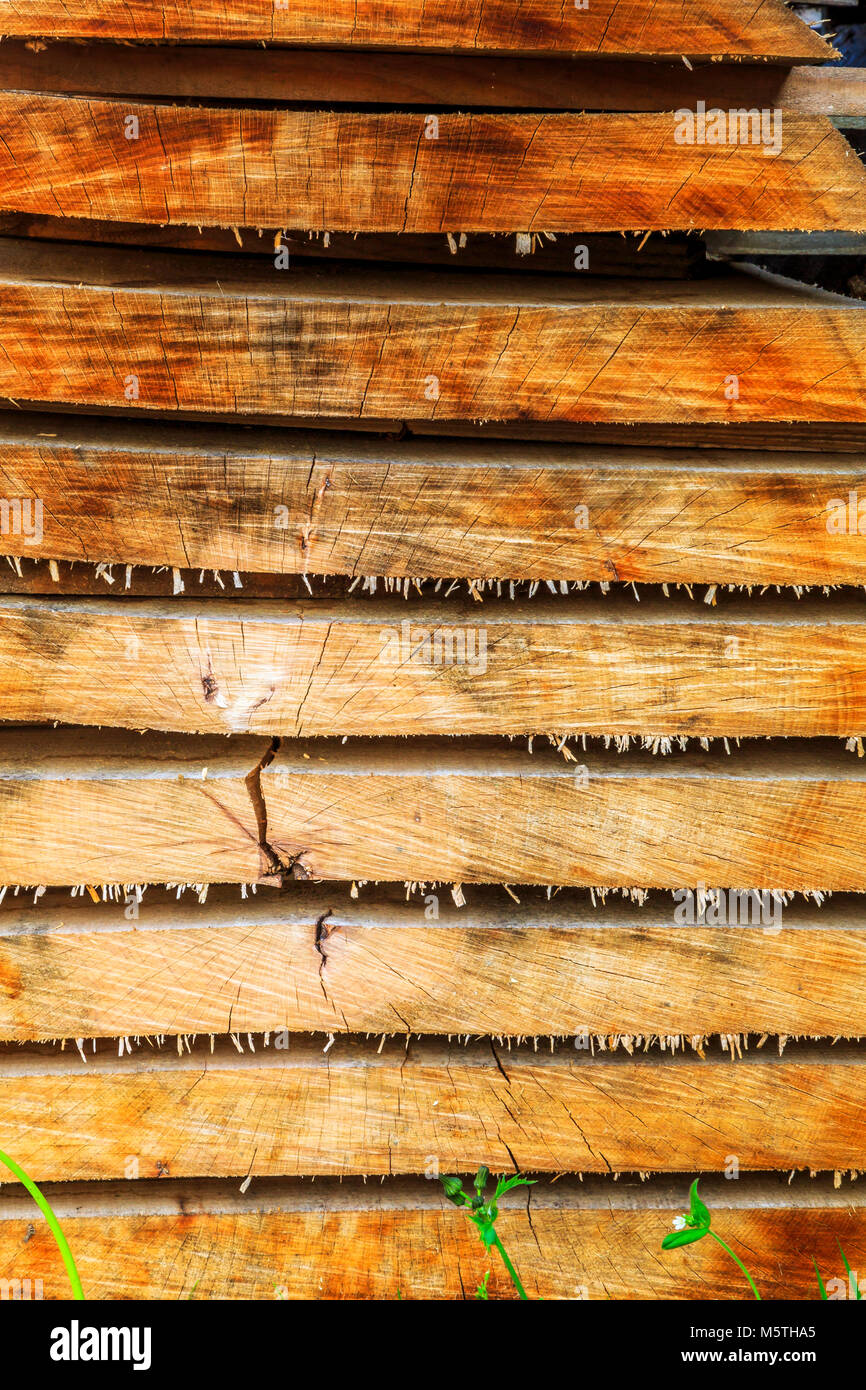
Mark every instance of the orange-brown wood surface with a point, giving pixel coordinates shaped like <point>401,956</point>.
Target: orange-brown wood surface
<point>586,665</point>
<point>111,328</point>
<point>312,504</point>
<point>396,172</point>
<point>358,1109</point>
<point>701,27</point>
<point>320,962</point>
<point>344,1244</point>
<point>199,810</point>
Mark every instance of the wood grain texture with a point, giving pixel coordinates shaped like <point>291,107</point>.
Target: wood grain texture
<point>385,171</point>
<point>424,79</point>
<point>318,962</point>
<point>354,1110</point>
<point>354,345</point>
<point>353,1246</point>
<point>717,28</point>
<point>421,810</point>
<point>588,665</point>
<point>283,504</point>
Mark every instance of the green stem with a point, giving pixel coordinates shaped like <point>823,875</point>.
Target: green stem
<point>515,1279</point>
<point>42,1204</point>
<point>737,1261</point>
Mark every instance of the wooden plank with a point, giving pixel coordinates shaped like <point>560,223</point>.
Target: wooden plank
<point>281,504</point>
<point>592,665</point>
<point>356,1110</point>
<point>179,817</point>
<point>717,28</point>
<point>361,171</point>
<point>449,347</point>
<point>176,1240</point>
<point>318,962</point>
<point>740,245</point>
<point>424,810</point>
<point>424,79</point>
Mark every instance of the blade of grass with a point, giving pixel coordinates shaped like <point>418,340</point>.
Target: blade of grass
<point>853,1282</point>
<point>737,1261</point>
<point>54,1224</point>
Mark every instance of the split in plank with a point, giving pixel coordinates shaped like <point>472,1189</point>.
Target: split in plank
<point>589,664</point>
<point>274,503</point>
<point>107,807</point>
<point>354,1110</point>
<point>317,962</point>
<point>596,1239</point>
<point>701,28</point>
<point>113,328</point>
<point>363,171</point>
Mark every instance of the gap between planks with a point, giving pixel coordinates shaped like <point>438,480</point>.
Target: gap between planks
<point>595,1192</point>
<point>329,76</point>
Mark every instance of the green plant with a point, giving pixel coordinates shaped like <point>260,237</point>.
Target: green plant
<point>694,1226</point>
<point>482,1212</point>
<point>54,1224</point>
<point>853,1283</point>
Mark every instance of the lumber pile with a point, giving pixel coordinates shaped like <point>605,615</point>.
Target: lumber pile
<point>432,645</point>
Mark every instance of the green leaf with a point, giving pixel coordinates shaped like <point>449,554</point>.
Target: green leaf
<point>487,1232</point>
<point>687,1237</point>
<point>506,1184</point>
<point>852,1278</point>
<point>824,1293</point>
<point>699,1214</point>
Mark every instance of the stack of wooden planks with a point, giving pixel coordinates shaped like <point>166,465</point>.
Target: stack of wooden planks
<point>432,646</point>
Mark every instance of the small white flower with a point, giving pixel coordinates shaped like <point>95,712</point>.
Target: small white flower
<point>679,1223</point>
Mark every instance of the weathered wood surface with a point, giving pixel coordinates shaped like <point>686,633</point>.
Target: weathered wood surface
<point>786,817</point>
<point>424,79</point>
<point>280,504</point>
<point>355,1110</point>
<point>148,331</point>
<point>711,28</point>
<point>395,172</point>
<point>179,1240</point>
<point>319,962</point>
<point>590,665</point>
